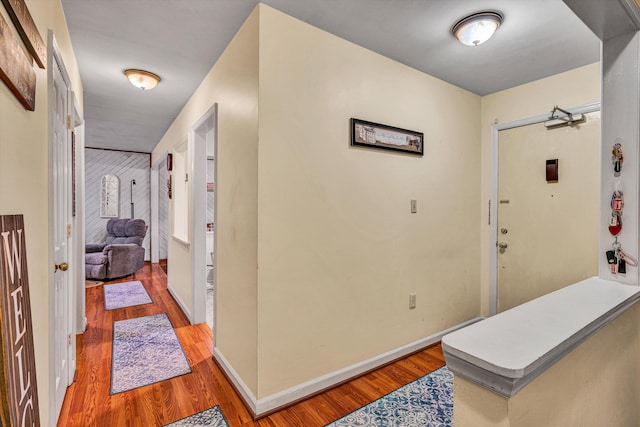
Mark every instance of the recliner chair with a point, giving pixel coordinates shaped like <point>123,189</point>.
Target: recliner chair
<point>121,255</point>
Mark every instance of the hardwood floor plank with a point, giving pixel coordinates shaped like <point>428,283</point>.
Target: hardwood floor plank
<point>88,402</point>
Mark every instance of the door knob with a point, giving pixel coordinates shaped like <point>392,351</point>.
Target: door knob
<point>63,266</point>
<point>503,245</point>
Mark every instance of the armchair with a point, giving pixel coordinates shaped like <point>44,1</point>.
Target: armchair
<point>122,253</point>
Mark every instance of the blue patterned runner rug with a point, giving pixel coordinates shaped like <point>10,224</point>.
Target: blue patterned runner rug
<point>426,402</point>
<point>146,350</point>
<point>126,294</point>
<point>212,417</point>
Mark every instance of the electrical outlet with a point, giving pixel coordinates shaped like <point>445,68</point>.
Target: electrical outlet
<point>414,206</point>
<point>412,301</point>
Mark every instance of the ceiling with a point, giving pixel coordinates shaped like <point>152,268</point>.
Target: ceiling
<point>180,40</point>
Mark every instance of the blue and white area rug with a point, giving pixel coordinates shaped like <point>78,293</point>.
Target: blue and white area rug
<point>212,417</point>
<point>426,402</point>
<point>126,294</point>
<point>146,350</point>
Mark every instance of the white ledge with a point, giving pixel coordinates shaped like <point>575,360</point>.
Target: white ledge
<point>509,350</point>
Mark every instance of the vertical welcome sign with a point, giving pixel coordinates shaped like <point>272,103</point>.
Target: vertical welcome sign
<point>18,388</point>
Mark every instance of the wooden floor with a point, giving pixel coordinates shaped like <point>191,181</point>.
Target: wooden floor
<point>88,402</point>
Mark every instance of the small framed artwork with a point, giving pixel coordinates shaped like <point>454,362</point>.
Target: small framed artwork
<point>110,196</point>
<point>375,135</point>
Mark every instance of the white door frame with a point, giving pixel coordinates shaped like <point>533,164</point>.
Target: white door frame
<point>493,211</point>
<point>55,60</point>
<point>198,146</point>
<point>78,236</point>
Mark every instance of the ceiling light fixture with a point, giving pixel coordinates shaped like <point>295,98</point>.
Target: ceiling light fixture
<point>477,28</point>
<point>142,79</point>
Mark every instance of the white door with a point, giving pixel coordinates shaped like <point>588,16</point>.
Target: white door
<point>61,152</point>
<point>547,231</point>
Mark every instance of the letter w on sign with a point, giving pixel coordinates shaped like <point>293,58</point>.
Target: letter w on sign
<point>18,385</point>
<point>12,252</point>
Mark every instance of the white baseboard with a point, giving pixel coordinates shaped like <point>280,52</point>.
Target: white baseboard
<point>267,404</point>
<point>180,302</point>
<point>239,385</point>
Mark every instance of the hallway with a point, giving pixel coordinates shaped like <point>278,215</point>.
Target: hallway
<point>88,402</point>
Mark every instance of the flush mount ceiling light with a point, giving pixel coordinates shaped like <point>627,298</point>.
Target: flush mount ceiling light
<point>477,28</point>
<point>142,79</point>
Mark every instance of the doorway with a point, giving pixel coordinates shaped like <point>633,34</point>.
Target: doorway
<point>203,143</point>
<point>546,233</point>
<point>211,223</point>
<point>162,190</point>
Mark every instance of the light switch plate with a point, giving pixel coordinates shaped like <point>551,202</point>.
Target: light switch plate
<point>412,301</point>
<point>414,206</point>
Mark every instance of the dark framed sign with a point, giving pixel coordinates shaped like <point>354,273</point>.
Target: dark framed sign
<point>375,135</point>
<point>27,29</point>
<point>16,70</point>
<point>18,385</point>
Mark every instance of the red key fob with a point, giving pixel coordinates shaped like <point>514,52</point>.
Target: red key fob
<point>615,225</point>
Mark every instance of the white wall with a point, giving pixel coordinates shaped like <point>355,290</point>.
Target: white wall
<point>621,122</point>
<point>126,166</point>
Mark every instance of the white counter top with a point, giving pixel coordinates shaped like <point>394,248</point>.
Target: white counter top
<point>507,351</point>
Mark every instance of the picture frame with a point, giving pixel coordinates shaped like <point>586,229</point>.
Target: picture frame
<point>385,137</point>
<point>109,196</point>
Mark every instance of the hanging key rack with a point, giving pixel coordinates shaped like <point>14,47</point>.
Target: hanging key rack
<point>617,258</point>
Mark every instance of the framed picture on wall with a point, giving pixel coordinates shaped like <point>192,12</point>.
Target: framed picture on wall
<point>109,196</point>
<point>375,135</point>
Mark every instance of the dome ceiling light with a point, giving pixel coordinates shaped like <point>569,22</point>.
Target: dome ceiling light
<point>142,79</point>
<point>477,28</point>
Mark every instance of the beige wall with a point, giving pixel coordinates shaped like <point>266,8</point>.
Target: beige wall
<point>329,226</point>
<point>338,250</point>
<point>597,384</point>
<point>567,90</point>
<point>24,179</point>
<point>233,84</point>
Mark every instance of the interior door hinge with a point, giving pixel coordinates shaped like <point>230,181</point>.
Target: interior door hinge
<point>70,122</point>
<point>489,212</point>
<point>69,339</point>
